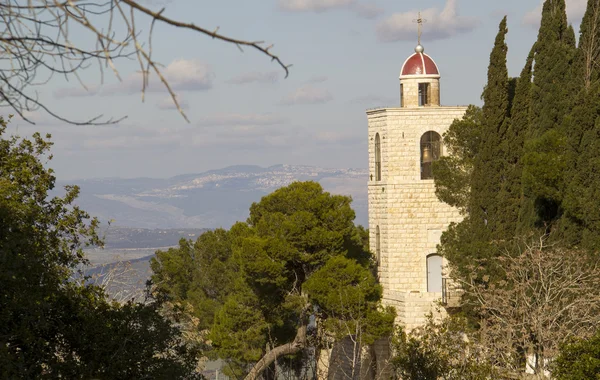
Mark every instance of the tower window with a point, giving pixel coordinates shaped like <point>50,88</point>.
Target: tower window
<point>401,95</point>
<point>377,158</point>
<point>423,94</point>
<point>431,150</point>
<point>377,245</point>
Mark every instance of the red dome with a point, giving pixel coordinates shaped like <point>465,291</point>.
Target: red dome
<point>419,64</point>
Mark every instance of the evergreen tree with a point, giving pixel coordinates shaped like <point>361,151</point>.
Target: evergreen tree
<point>554,50</point>
<point>470,240</point>
<point>256,285</point>
<point>551,95</point>
<point>53,326</point>
<point>579,225</point>
<point>488,173</point>
<point>512,148</point>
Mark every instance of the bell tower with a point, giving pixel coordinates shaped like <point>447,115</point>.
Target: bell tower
<point>406,219</point>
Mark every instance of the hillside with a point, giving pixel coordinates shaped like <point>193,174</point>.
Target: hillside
<point>216,198</point>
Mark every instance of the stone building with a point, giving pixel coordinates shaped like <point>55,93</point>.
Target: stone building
<point>406,219</point>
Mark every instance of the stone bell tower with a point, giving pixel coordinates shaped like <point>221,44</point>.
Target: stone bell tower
<point>406,219</point>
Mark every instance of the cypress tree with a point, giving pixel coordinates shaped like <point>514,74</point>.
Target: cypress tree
<point>554,51</point>
<point>544,160</point>
<point>580,225</point>
<point>489,166</point>
<point>471,239</point>
<point>512,146</point>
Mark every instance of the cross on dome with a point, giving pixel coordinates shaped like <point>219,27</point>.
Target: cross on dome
<point>420,21</point>
<point>419,64</point>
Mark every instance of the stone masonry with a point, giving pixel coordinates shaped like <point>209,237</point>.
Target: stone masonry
<point>410,217</point>
<point>402,206</point>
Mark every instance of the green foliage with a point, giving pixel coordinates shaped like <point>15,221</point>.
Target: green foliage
<point>489,167</point>
<point>453,172</point>
<point>254,285</point>
<point>347,295</point>
<point>532,163</point>
<point>201,273</point>
<point>474,175</point>
<point>578,360</point>
<point>50,325</point>
<point>440,350</point>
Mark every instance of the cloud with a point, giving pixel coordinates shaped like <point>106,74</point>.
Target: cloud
<point>317,79</point>
<point>363,10</point>
<point>368,11</point>
<point>307,95</point>
<point>242,120</point>
<point>313,5</point>
<point>575,12</point>
<point>440,24</point>
<point>72,92</point>
<point>181,74</point>
<point>337,138</point>
<point>167,103</point>
<point>374,101</point>
<point>269,77</point>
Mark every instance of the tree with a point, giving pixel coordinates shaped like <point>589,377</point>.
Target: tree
<point>548,296</point>
<point>297,253</point>
<point>39,39</point>
<point>552,92</point>
<point>580,224</point>
<point>441,350</point>
<point>488,171</point>
<point>51,324</point>
<point>477,190</point>
<point>513,145</point>
<point>453,172</point>
<point>578,360</point>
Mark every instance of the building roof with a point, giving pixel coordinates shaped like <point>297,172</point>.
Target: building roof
<point>419,64</point>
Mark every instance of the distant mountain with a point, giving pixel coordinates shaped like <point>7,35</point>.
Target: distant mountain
<point>216,198</point>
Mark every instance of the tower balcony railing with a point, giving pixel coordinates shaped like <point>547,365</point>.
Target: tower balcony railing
<point>450,294</point>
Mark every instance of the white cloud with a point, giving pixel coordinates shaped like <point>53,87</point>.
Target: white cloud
<point>307,95</point>
<point>317,79</point>
<point>364,10</point>
<point>368,11</point>
<point>313,5</point>
<point>575,12</point>
<point>167,103</point>
<point>337,138</point>
<point>242,119</point>
<point>440,24</point>
<point>374,101</point>
<point>255,76</point>
<point>181,74</point>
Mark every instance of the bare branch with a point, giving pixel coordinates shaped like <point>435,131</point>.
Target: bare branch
<point>35,41</point>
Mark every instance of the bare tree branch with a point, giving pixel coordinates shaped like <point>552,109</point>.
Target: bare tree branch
<point>548,295</point>
<point>36,41</point>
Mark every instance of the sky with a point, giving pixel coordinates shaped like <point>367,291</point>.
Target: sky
<point>346,56</point>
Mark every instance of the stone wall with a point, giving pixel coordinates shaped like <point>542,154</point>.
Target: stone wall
<point>410,91</point>
<point>410,217</point>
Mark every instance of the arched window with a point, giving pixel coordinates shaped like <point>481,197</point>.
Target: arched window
<point>434,273</point>
<point>431,150</point>
<point>377,158</point>
<point>377,245</point>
